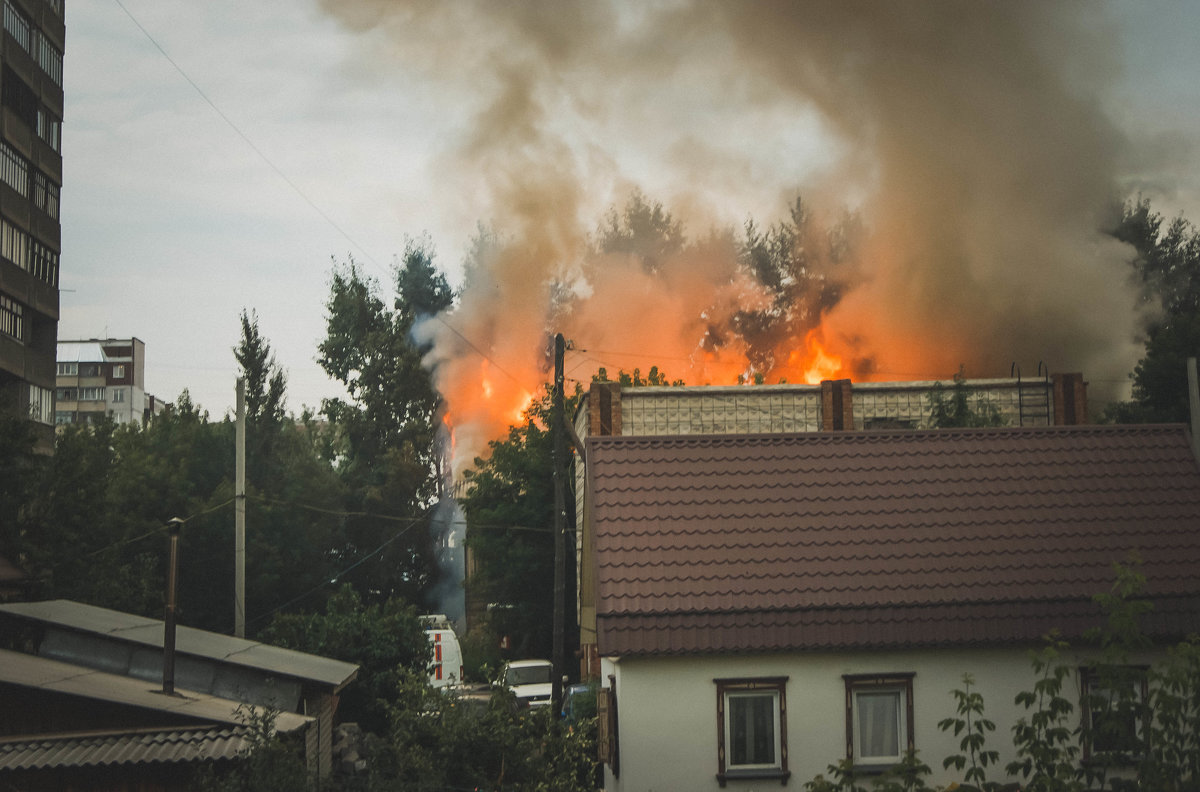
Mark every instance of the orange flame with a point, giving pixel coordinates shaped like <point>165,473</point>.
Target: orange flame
<point>820,363</point>
<point>483,404</point>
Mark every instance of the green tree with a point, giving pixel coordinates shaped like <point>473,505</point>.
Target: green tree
<point>381,638</point>
<point>21,470</point>
<point>653,377</point>
<point>510,517</point>
<point>952,407</point>
<point>93,522</point>
<point>643,230</point>
<point>438,742</point>
<point>266,384</point>
<point>270,763</point>
<point>1167,264</point>
<point>798,263</point>
<point>384,435</point>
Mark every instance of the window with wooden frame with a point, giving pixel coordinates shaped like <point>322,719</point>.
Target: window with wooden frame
<point>752,728</point>
<point>1113,713</point>
<point>879,719</point>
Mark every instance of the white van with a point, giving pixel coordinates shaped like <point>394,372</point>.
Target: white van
<point>446,668</point>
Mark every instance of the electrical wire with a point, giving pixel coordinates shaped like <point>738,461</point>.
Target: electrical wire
<point>246,138</point>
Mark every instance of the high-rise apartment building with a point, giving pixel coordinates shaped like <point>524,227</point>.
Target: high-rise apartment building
<point>103,378</point>
<point>31,112</point>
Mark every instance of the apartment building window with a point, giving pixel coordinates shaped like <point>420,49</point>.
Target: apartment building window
<point>41,404</point>
<point>12,317</point>
<point>751,728</point>
<point>67,394</point>
<point>119,371</point>
<point>118,395</point>
<point>45,194</point>
<point>63,417</point>
<point>879,718</point>
<point>68,369</point>
<point>17,26</point>
<point>14,244</point>
<point>91,394</point>
<point>43,263</point>
<point>14,170</point>
<point>19,98</point>
<point>49,58</point>
<point>49,129</point>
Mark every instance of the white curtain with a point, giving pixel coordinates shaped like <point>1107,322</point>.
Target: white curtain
<point>878,719</point>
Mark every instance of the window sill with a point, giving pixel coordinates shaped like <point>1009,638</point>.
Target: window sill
<point>753,775</point>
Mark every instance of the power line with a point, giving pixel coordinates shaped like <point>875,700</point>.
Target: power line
<point>246,138</point>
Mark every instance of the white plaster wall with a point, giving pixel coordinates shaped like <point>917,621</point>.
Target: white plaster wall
<point>668,724</point>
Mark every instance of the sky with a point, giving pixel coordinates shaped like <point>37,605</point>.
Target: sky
<point>222,156</point>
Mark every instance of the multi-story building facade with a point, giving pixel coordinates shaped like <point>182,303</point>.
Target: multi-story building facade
<point>31,112</point>
<point>100,378</point>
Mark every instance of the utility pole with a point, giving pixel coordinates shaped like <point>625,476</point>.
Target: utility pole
<point>239,516</point>
<point>168,668</point>
<point>560,552</point>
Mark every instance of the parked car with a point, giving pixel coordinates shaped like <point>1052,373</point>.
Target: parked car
<point>579,702</point>
<point>529,680</point>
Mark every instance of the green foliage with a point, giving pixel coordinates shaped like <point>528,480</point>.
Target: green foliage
<point>266,384</point>
<point>383,438</point>
<point>908,775</point>
<point>481,653</point>
<point>438,741</point>
<point>1172,758</point>
<point>1167,264</point>
<point>510,516</point>
<point>383,639</point>
<point>20,470</point>
<point>973,729</point>
<point>1046,752</point>
<point>271,762</point>
<point>91,523</point>
<point>799,263</point>
<point>644,230</point>
<point>653,377</point>
<point>953,408</point>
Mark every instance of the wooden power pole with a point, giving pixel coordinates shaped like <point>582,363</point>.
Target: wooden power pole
<point>560,550</point>
<point>239,518</point>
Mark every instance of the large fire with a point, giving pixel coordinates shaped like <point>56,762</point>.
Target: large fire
<point>815,360</point>
<point>489,400</point>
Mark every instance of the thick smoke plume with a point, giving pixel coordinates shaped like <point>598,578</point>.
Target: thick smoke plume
<point>967,137</point>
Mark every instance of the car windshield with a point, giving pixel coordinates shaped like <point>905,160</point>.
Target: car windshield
<point>528,675</point>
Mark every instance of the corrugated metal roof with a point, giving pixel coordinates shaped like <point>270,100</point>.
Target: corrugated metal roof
<point>80,352</point>
<point>143,746</point>
<point>849,539</point>
<point>38,672</point>
<point>188,640</point>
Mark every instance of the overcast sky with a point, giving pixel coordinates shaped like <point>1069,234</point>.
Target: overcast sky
<point>311,143</point>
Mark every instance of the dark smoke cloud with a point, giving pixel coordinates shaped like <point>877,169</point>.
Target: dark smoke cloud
<point>968,135</point>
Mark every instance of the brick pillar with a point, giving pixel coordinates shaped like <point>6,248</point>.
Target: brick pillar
<point>837,405</point>
<point>1070,399</point>
<point>604,408</point>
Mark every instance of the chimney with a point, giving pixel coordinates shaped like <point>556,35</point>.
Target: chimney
<point>837,405</point>
<point>604,408</point>
<point>1070,399</point>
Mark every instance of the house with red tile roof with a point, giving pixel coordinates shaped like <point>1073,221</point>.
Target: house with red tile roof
<point>768,604</point>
